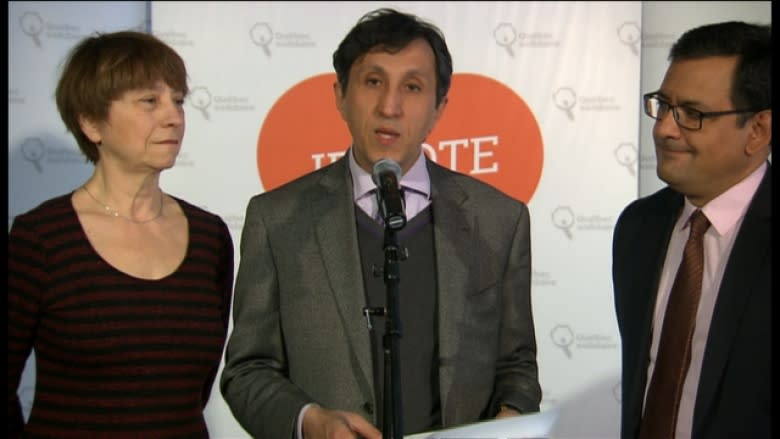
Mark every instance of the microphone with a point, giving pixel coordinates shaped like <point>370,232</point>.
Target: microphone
<point>386,176</point>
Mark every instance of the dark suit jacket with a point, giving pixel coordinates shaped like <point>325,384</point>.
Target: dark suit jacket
<point>733,398</point>
<point>299,334</point>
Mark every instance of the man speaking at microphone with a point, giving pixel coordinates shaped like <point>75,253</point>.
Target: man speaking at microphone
<point>305,356</point>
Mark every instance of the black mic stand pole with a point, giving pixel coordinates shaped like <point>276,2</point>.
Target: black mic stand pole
<point>393,420</point>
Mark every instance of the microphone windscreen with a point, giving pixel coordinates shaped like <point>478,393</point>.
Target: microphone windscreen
<point>385,165</point>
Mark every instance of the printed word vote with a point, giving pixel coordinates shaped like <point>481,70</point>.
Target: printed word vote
<point>481,152</point>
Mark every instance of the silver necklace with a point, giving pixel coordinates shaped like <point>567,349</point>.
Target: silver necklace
<point>113,212</point>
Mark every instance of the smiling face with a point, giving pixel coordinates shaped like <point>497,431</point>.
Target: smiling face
<point>144,128</point>
<point>704,163</point>
<point>390,104</point>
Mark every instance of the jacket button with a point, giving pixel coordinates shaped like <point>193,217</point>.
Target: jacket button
<point>368,407</point>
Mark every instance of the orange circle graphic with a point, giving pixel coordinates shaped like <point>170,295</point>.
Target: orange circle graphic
<point>487,131</point>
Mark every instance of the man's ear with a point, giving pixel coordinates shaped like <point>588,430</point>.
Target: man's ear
<point>437,116</point>
<point>760,135</point>
<point>339,98</point>
<point>442,105</point>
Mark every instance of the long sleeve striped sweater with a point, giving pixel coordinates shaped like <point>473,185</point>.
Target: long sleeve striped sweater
<point>116,356</point>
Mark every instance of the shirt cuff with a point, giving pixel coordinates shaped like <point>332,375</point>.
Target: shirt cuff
<point>299,422</point>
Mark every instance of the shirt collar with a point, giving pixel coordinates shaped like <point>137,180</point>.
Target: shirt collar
<point>727,208</point>
<point>416,178</point>
<point>362,184</point>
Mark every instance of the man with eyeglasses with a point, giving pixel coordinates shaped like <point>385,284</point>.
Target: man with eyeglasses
<point>713,135</point>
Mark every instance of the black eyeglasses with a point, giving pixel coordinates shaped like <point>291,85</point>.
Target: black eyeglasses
<point>685,117</point>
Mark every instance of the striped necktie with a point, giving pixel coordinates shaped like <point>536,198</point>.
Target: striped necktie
<point>674,350</point>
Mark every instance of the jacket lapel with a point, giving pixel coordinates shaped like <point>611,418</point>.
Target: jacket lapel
<point>749,256</point>
<point>454,257</point>
<point>333,215</point>
<point>655,234</point>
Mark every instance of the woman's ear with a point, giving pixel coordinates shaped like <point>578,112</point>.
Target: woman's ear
<point>90,129</point>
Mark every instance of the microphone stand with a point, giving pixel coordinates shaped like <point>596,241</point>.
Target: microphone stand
<point>393,420</point>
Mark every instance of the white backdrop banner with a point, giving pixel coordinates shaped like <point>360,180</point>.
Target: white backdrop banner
<point>545,105</point>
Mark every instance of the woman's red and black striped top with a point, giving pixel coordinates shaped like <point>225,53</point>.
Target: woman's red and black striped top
<point>116,356</point>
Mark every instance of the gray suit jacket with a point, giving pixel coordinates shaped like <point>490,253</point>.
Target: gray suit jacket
<point>299,334</point>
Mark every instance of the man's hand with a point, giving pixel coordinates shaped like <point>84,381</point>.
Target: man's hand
<point>320,423</point>
<point>507,412</point>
